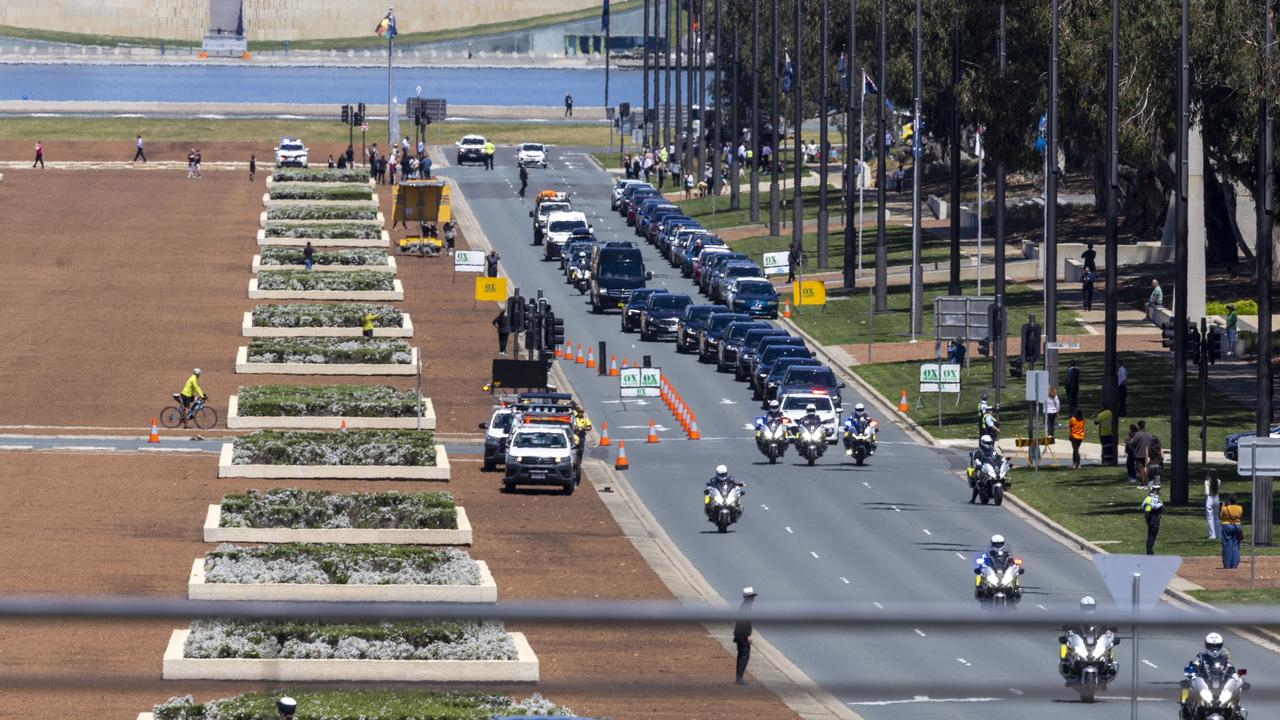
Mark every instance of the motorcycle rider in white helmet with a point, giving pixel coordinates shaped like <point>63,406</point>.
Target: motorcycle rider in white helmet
<point>1087,606</point>
<point>987,452</point>
<point>723,482</point>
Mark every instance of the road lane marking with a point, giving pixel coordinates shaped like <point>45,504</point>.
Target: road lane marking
<point>766,507</point>
<point>84,448</point>
<point>1042,607</point>
<point>727,401</point>
<point>15,447</point>
<point>793,532</point>
<point>814,554</point>
<point>961,556</point>
<point>925,699</point>
<point>1150,664</point>
<point>919,632</point>
<point>964,662</point>
<point>1017,692</point>
<point>844,580</point>
<point>926,532</point>
<point>897,509</point>
<point>866,485</point>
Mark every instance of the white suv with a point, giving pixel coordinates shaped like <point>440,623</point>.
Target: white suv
<point>532,155</point>
<point>541,455</point>
<point>291,152</point>
<point>471,150</point>
<point>560,225</point>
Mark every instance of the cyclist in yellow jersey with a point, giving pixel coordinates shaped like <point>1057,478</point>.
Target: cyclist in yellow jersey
<point>190,391</point>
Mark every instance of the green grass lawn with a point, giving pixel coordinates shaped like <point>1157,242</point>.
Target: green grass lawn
<point>897,246</point>
<point>845,321</point>
<point>1261,596</point>
<point>714,213</point>
<point>1097,504</point>
<point>1148,399</point>
<point>313,132</point>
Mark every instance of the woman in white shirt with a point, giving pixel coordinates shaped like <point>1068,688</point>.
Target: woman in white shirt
<point>1211,487</point>
<point>1051,409</point>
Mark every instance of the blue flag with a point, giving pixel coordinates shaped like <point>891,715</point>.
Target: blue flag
<point>604,16</point>
<point>788,74</point>
<point>869,87</point>
<point>843,71</point>
<point>1041,144</point>
<point>387,26</point>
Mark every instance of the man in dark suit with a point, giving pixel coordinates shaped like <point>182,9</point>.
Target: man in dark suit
<point>742,634</point>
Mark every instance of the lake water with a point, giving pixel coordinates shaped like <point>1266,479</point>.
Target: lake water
<point>231,84</point>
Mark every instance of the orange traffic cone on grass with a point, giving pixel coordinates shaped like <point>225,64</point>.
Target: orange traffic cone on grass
<point>786,308</point>
<point>621,463</point>
<point>902,404</point>
<point>604,434</point>
<point>155,432</point>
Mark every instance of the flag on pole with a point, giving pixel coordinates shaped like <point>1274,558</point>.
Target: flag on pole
<point>788,73</point>
<point>1041,144</point>
<point>843,71</point>
<point>604,16</point>
<point>387,26</point>
<point>977,142</point>
<point>869,86</point>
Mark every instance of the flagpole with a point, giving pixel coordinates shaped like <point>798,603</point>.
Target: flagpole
<point>862,103</point>
<point>606,60</point>
<point>980,154</point>
<point>391,35</point>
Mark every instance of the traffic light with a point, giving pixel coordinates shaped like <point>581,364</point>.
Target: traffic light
<point>1193,343</point>
<point>624,109</point>
<point>1015,367</point>
<point>555,331</point>
<point>1213,344</point>
<point>995,321</point>
<point>360,115</point>
<point>1031,342</point>
<point>984,347</point>
<point>1166,334</point>
<point>346,114</point>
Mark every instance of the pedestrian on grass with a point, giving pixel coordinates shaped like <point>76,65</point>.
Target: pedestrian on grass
<point>1122,389</point>
<point>138,153</point>
<point>491,263</point>
<point>524,179</point>
<point>1141,450</point>
<point>1086,289</point>
<point>1131,467</point>
<point>366,323</point>
<point>1075,430</point>
<point>1105,436</point>
<point>794,258</point>
<point>1152,509</point>
<point>1090,258</point>
<point>688,186</point>
<point>191,163</point>
<point>1155,300</point>
<point>984,404</point>
<point>330,162</point>
<point>742,634</point>
<point>1232,321</point>
<point>502,323</point>
<point>568,106</point>
<point>199,159</point>
<point>1230,516</point>
<point>351,156</point>
<point>391,169</point>
<point>1052,406</point>
<point>990,425</point>
<point>39,155</point>
<point>1155,462</point>
<point>253,166</point>
<point>1072,385</point>
<point>308,256</point>
<point>1211,502</point>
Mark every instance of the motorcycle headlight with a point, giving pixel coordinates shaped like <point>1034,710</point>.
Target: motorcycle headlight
<point>990,576</point>
<point>1225,697</point>
<point>1010,574</point>
<point>1079,648</point>
<point>1100,650</point>
<point>1205,695</point>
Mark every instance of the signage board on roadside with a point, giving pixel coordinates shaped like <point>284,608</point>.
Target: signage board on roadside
<point>1037,386</point>
<point>939,378</point>
<point>776,263</point>
<point>488,288</point>
<point>808,292</point>
<point>468,261</point>
<point>640,382</point>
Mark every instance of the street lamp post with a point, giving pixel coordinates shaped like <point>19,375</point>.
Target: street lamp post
<point>823,162</point>
<point>917,312</point>
<point>775,202</point>
<point>644,54</point>
<point>851,61</point>
<point>1051,206</point>
<point>754,144</point>
<point>1112,232</point>
<point>797,99</point>
<point>882,257</point>
<point>1179,421</point>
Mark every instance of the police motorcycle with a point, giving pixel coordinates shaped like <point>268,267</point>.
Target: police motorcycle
<point>988,472</point>
<point>1212,686</point>
<point>722,499</point>
<point>859,435</point>
<point>809,435</point>
<point>1086,656</point>
<point>998,580</point>
<point>580,272</point>
<point>771,433</point>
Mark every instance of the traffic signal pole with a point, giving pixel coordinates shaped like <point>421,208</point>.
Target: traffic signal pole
<point>1178,420</point>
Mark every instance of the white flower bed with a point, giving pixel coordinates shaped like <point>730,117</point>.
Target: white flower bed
<point>340,565</point>
<point>254,639</point>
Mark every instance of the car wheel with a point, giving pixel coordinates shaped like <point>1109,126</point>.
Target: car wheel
<point>508,486</point>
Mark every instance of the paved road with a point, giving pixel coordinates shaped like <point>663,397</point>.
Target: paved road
<point>898,529</point>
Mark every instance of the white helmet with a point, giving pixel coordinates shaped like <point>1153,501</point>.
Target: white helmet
<point>811,408</point>
<point>722,471</point>
<point>859,407</point>
<point>986,443</point>
<point>195,371</point>
<point>997,542</point>
<point>1213,643</point>
<point>773,405</point>
<point>1088,604</point>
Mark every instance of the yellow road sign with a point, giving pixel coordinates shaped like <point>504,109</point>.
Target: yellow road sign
<point>488,288</point>
<point>808,292</point>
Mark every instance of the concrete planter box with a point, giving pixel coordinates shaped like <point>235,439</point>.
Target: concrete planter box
<point>439,471</point>
<point>262,219</point>
<point>271,179</point>
<point>381,242</point>
<point>256,266</point>
<point>360,295</point>
<point>199,589</point>
<point>268,202</point>
<point>328,422</point>
<point>247,329</point>
<point>255,368</point>
<point>214,533</point>
<point>524,669</point>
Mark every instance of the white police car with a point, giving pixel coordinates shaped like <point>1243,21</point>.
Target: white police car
<point>291,153</point>
<point>532,155</point>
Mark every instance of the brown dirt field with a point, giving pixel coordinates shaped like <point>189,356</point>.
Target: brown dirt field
<point>116,524</point>
<point>1208,572</point>
<point>122,151</point>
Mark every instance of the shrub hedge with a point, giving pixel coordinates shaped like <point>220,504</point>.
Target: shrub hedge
<point>301,509</point>
<point>305,280</point>
<point>297,315</point>
<point>322,350</point>
<point>326,401</point>
<point>354,447</point>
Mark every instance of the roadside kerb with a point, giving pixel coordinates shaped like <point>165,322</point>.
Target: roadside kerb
<point>199,588</point>
<point>327,422</point>
<point>214,533</point>
<point>229,469</point>
<point>248,329</point>
<point>355,295</point>
<point>177,667</point>
<point>258,368</point>
<point>256,266</point>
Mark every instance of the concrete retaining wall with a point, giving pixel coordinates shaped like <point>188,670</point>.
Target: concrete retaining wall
<point>247,329</point>
<point>244,366</point>
<point>198,588</point>
<point>439,471</point>
<point>256,266</point>
<point>354,295</point>
<point>381,242</point>
<point>237,421</point>
<point>177,667</point>
<point>214,533</point>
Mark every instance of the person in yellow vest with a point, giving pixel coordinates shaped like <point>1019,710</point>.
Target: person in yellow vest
<point>489,150</point>
<point>366,323</point>
<point>190,391</point>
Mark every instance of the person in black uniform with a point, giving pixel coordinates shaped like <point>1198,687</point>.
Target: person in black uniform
<point>742,634</point>
<point>524,179</point>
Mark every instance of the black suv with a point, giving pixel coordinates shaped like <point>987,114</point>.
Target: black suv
<point>817,379</point>
<point>662,313</point>
<point>764,364</point>
<point>692,323</point>
<point>635,305</point>
<point>753,343</point>
<point>710,335</point>
<point>731,342</point>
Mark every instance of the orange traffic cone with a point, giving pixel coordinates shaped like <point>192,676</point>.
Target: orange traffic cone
<point>613,366</point>
<point>344,426</point>
<point>621,463</point>
<point>693,431</point>
<point>568,350</point>
<point>786,308</point>
<point>604,434</point>
<point>902,404</point>
<point>155,432</point>
<point>653,434</point>
<point>591,358</point>
<point>559,351</point>
<point>581,359</point>
<point>684,418</point>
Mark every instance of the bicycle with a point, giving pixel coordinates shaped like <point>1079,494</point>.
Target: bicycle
<point>203,416</point>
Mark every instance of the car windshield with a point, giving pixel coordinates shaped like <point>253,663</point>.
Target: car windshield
<point>472,141</point>
<point>501,421</point>
<point>622,269</point>
<point>811,376</point>
<point>795,402</point>
<point>540,440</point>
<point>733,271</point>
<point>546,208</point>
<point>720,321</point>
<point>291,146</point>
<point>701,313</point>
<point>756,289</point>
<point>640,297</point>
<point>779,351</point>
<point>667,301</point>
<point>533,147</point>
<point>566,225</point>
<point>739,331</point>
